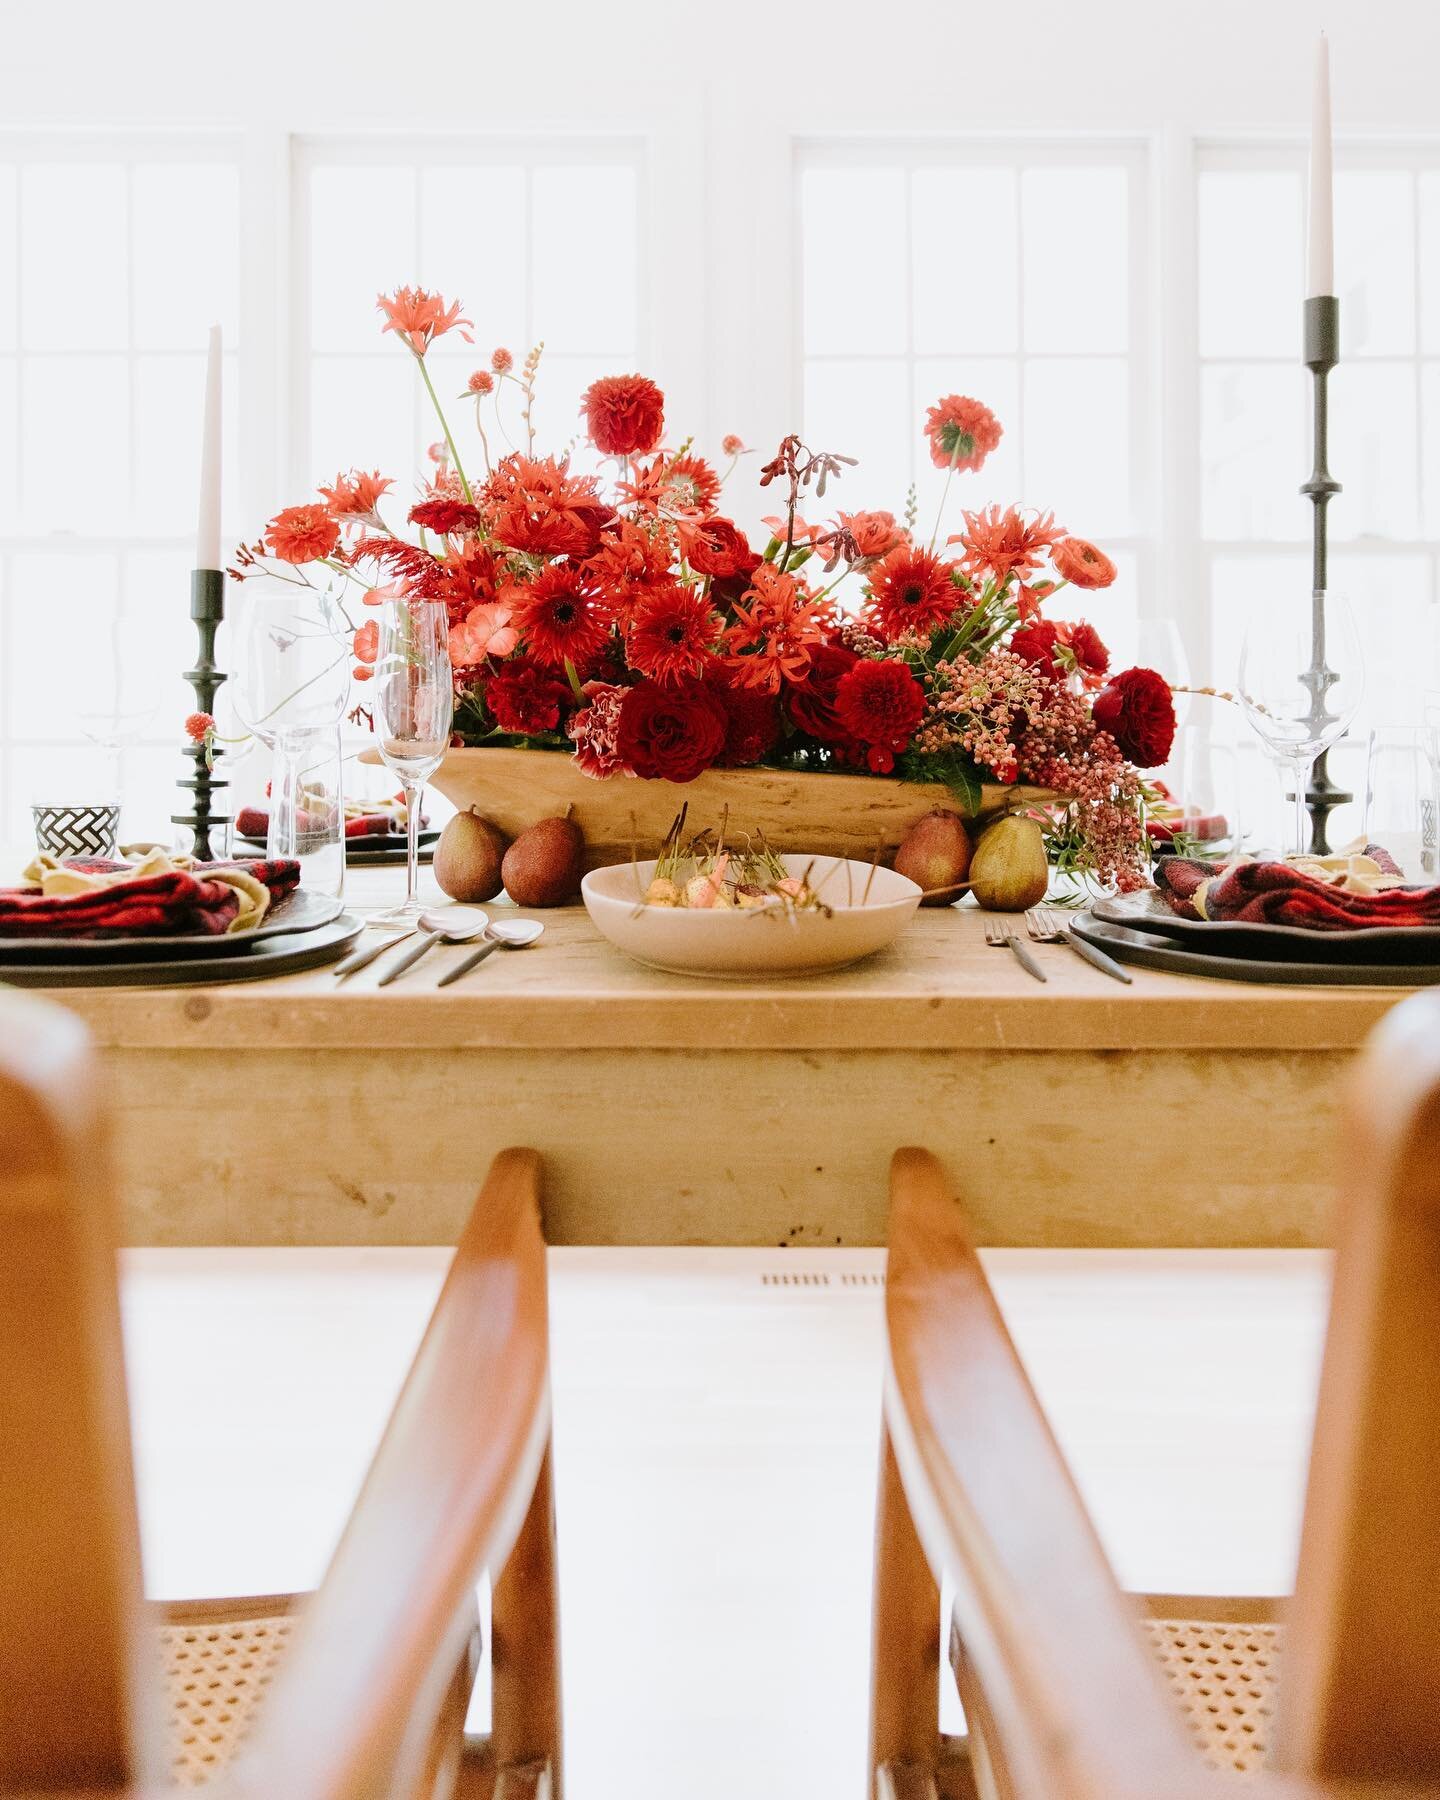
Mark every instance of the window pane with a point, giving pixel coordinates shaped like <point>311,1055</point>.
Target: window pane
<point>1077,444</point>
<point>1250,262</point>
<point>362,415</point>
<point>956,310</point>
<point>148,792</point>
<point>362,243</point>
<point>9,277</point>
<point>589,304</point>
<point>1375,239</point>
<point>65,641</point>
<point>1395,618</point>
<point>1076,238</point>
<point>1253,455</point>
<point>855,300</point>
<point>1430,447</point>
<point>861,410</point>
<point>68,401</point>
<point>74,257</point>
<point>186,237</point>
<point>472,248</point>
<point>1112,611</point>
<point>157,643</point>
<point>997,384</point>
<point>9,445</point>
<point>1430,260</point>
<point>169,413</point>
<point>55,775</point>
<point>1373,450</point>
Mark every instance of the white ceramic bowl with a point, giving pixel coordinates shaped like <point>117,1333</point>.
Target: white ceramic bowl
<point>743,945</point>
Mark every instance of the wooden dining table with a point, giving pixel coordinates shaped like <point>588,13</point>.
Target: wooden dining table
<point>1177,1111</point>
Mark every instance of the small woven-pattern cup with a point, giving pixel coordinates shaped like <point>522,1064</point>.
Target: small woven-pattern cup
<point>76,830</point>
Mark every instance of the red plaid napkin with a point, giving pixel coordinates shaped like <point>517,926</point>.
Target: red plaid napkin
<point>153,905</point>
<point>1271,893</point>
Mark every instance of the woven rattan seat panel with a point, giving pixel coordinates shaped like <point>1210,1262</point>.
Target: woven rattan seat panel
<point>1224,1677</point>
<point>216,1675</point>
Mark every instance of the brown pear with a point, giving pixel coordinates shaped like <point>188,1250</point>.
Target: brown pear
<point>544,865</point>
<point>936,857</point>
<point>468,857</point>
<point>1010,871</point>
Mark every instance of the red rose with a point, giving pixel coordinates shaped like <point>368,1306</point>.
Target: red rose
<point>719,548</point>
<point>880,704</point>
<point>525,698</point>
<point>671,733</point>
<point>1137,710</point>
<point>754,725</point>
<point>624,414</point>
<point>811,703</point>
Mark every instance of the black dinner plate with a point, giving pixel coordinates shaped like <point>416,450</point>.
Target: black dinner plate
<point>1150,950</point>
<point>298,912</point>
<point>382,852</point>
<point>1262,942</point>
<point>283,954</point>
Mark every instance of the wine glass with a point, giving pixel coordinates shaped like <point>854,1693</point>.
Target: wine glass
<point>414,704</point>
<point>1295,714</point>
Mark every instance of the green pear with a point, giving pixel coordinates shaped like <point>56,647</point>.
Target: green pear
<point>1010,871</point>
<point>468,857</point>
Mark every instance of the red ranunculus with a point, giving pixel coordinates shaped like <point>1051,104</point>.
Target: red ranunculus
<point>1138,711</point>
<point>811,702</point>
<point>525,698</point>
<point>754,725</point>
<point>624,414</point>
<point>1035,643</point>
<point>880,704</point>
<point>671,733</point>
<point>719,548</point>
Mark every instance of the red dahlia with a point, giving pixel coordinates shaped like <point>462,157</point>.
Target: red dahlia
<point>1138,712</point>
<point>301,534</point>
<point>754,725</point>
<point>624,414</point>
<point>911,592</point>
<point>524,698</point>
<point>880,704</point>
<point>962,432</point>
<point>561,616</point>
<point>672,633</point>
<point>671,733</point>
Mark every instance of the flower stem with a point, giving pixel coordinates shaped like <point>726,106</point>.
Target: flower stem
<point>944,495</point>
<point>445,427</point>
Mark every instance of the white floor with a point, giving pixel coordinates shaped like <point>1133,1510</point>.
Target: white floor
<point>716,1439</point>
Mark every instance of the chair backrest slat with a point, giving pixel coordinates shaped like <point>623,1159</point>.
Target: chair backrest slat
<point>70,1590</point>
<point>1362,1665</point>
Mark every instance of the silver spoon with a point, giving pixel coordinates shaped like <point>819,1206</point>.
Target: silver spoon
<point>504,934</point>
<point>453,925</point>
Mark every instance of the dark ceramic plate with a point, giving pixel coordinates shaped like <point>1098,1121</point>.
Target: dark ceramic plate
<point>1150,950</point>
<point>300,912</point>
<point>383,851</point>
<point>284,955</point>
<point>1278,943</point>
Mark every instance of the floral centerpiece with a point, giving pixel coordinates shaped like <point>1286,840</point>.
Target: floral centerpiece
<point>630,624</point>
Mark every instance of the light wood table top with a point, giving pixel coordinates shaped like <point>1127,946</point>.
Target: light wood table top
<point>940,987</point>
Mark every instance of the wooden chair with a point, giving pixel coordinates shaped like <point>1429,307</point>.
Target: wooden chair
<point>1069,1686</point>
<point>361,1693</point>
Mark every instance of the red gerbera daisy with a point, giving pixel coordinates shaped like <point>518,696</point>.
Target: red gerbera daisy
<point>624,414</point>
<point>911,592</point>
<point>1081,563</point>
<point>672,634</point>
<point>561,616</point>
<point>880,704</point>
<point>301,534</point>
<point>1002,542</point>
<point>449,518</point>
<point>961,431</point>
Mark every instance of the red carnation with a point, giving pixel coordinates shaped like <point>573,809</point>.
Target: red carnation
<point>671,733</point>
<point>624,414</point>
<point>525,698</point>
<point>880,704</point>
<point>719,548</point>
<point>447,517</point>
<point>811,702</point>
<point>1137,710</point>
<point>754,726</point>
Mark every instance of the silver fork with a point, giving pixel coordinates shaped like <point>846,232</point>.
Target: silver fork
<point>999,935</point>
<point>1047,926</point>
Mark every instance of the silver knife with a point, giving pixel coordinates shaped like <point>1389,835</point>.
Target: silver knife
<point>1107,965</point>
<point>362,959</point>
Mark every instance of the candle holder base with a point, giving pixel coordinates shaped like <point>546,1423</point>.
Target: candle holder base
<point>207,611</point>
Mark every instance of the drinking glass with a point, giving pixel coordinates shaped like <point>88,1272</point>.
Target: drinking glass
<point>414,703</point>
<point>294,660</point>
<point>307,808</point>
<point>1402,778</point>
<point>1295,715</point>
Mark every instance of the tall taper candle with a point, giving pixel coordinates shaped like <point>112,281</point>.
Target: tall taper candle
<point>1322,177</point>
<point>207,536</point>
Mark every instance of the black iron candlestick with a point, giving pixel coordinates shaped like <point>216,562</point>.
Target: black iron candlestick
<point>1322,352</point>
<point>207,609</point>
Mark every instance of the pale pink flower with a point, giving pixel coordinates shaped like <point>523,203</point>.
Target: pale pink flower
<point>487,631</point>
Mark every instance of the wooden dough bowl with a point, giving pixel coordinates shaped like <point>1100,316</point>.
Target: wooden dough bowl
<point>832,815</point>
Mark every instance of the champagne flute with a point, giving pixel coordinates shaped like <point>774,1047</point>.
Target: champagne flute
<point>414,704</point>
<point>1296,714</point>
